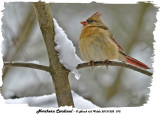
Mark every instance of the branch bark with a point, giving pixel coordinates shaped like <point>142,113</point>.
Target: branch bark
<point>117,63</point>
<point>27,65</point>
<point>83,65</point>
<point>58,72</point>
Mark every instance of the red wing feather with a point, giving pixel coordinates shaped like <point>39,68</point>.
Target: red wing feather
<point>120,48</point>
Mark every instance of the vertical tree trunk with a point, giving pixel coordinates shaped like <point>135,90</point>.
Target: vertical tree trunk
<point>58,72</point>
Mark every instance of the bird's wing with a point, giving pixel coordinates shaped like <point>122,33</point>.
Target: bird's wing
<point>120,48</point>
<point>112,38</point>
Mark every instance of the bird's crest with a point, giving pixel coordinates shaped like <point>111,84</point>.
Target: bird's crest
<point>97,14</point>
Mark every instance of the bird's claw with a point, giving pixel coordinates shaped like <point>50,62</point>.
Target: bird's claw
<point>91,63</point>
<point>106,61</point>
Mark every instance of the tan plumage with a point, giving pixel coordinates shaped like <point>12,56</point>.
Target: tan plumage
<point>96,43</point>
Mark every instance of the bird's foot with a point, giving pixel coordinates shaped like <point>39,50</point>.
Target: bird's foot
<point>91,63</point>
<point>106,61</point>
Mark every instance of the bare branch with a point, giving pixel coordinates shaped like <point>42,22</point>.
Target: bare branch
<point>83,65</point>
<point>57,70</point>
<point>28,65</point>
<point>117,63</point>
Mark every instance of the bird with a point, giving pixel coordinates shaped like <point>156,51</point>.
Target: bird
<point>96,43</point>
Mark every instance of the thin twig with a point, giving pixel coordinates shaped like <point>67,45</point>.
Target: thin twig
<point>117,63</point>
<point>28,65</point>
<point>20,40</point>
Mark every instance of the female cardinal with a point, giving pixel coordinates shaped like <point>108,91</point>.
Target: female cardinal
<point>96,43</point>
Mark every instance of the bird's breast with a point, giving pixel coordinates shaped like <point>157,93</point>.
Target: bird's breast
<point>96,45</point>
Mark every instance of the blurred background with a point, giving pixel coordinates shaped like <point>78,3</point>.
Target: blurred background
<point>132,26</point>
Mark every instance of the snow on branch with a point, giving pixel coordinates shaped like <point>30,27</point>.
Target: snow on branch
<point>58,72</point>
<point>67,55</point>
<point>67,52</point>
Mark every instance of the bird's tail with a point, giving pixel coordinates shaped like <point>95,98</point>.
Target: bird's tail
<point>136,62</point>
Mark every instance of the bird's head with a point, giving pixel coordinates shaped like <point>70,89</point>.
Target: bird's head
<point>94,19</point>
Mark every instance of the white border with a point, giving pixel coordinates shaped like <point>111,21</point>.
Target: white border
<point>153,104</point>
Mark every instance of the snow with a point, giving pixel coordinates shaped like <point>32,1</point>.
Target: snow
<point>48,101</point>
<point>34,62</point>
<point>67,55</point>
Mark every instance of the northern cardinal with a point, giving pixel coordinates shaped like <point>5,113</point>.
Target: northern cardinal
<point>96,43</point>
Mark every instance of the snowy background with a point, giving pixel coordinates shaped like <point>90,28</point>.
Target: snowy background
<point>132,26</point>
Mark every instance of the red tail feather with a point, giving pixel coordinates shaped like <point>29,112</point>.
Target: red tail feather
<point>136,62</point>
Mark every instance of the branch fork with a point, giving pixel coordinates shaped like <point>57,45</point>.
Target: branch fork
<point>82,65</point>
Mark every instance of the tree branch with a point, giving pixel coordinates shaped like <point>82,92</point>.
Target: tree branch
<point>83,65</point>
<point>57,70</point>
<point>28,65</point>
<point>117,63</point>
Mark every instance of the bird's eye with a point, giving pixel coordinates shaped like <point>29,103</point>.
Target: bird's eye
<point>90,21</point>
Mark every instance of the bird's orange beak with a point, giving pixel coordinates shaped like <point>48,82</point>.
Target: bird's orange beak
<point>84,23</point>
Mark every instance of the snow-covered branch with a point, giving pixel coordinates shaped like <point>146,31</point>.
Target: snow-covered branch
<point>58,72</point>
<point>117,63</point>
